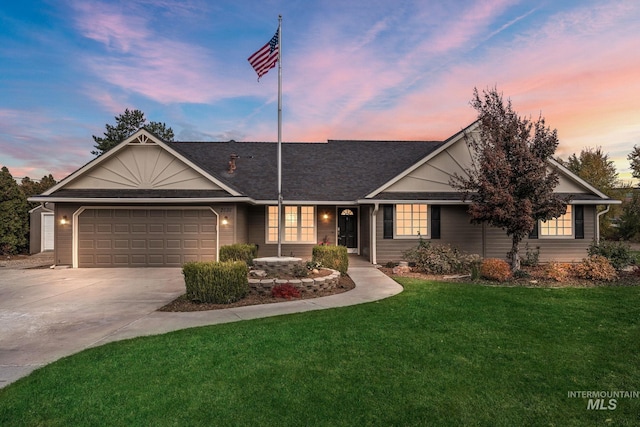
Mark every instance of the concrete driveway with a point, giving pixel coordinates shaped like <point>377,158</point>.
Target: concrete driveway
<point>46,314</point>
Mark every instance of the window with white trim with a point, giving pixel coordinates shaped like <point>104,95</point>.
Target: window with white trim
<point>411,220</point>
<point>558,227</point>
<point>299,224</point>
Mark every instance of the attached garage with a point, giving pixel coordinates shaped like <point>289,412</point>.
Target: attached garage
<point>145,237</point>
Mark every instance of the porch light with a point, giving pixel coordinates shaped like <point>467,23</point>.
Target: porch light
<point>225,220</point>
<point>325,216</point>
<point>64,220</point>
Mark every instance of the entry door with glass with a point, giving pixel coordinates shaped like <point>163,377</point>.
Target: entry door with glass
<point>348,228</point>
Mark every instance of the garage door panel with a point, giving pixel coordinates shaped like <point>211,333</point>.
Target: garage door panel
<point>138,244</point>
<point>145,237</point>
<point>139,228</point>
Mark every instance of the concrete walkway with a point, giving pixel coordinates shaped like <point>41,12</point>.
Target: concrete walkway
<point>48,314</point>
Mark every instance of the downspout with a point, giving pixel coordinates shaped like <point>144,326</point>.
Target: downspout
<point>598,223</point>
<point>374,246</point>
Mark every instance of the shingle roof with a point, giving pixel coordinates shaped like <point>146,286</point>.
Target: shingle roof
<point>338,170</point>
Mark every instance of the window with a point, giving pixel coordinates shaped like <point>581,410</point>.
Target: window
<point>411,220</point>
<point>558,227</point>
<point>299,224</point>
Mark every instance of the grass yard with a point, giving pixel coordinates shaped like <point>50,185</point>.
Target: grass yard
<point>437,354</point>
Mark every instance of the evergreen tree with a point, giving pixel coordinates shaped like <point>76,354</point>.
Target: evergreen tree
<point>127,124</point>
<point>14,215</point>
<point>509,185</point>
<point>634,159</point>
<point>33,188</point>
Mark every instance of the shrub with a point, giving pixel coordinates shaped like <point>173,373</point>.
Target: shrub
<point>618,253</point>
<point>595,267</point>
<point>299,270</point>
<point>334,257</point>
<point>521,274</point>
<point>560,272</point>
<point>239,252</point>
<point>216,282</point>
<point>286,290</point>
<point>531,258</point>
<point>495,269</point>
<point>439,259</point>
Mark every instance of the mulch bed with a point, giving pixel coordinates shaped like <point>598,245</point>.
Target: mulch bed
<point>536,279</point>
<point>183,304</point>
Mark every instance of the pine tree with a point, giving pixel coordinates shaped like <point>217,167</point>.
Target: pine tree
<point>634,159</point>
<point>509,184</point>
<point>127,124</point>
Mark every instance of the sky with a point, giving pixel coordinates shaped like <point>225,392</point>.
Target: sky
<point>358,69</point>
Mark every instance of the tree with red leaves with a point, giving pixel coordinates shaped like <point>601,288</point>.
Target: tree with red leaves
<point>509,185</point>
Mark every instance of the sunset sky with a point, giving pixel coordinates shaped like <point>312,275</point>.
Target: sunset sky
<point>358,69</point>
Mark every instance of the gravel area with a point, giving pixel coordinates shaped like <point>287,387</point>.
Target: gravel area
<point>20,262</point>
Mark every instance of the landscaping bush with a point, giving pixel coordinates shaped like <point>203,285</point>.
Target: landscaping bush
<point>334,257</point>
<point>618,253</point>
<point>239,252</point>
<point>596,267</point>
<point>495,269</point>
<point>531,257</point>
<point>286,290</point>
<point>216,282</point>
<point>560,272</point>
<point>439,259</point>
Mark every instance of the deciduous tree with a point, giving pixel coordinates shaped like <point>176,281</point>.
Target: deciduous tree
<point>509,184</point>
<point>127,124</point>
<point>595,167</point>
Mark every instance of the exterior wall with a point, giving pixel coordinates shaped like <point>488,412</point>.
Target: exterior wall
<point>64,233</point>
<point>35,230</point>
<point>365,231</point>
<point>455,230</point>
<point>257,233</point>
<point>235,231</point>
<point>489,242</point>
<point>561,250</point>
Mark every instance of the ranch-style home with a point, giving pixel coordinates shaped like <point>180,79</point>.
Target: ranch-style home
<point>148,202</point>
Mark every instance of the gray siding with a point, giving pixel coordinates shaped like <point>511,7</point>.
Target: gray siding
<point>457,230</point>
<point>35,231</point>
<point>364,230</point>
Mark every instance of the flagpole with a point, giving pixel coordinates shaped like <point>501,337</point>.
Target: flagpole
<point>280,212</point>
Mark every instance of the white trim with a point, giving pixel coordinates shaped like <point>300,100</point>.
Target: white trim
<point>126,143</point>
<point>397,236</point>
<point>556,236</point>
<point>142,200</point>
<point>78,212</point>
<point>445,145</point>
<point>275,242</point>
<point>42,228</point>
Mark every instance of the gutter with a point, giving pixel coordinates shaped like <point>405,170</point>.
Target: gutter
<point>598,223</point>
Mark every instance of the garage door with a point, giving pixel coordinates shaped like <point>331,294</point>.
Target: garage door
<point>145,237</point>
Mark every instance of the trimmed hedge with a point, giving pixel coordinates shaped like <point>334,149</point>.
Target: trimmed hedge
<point>216,282</point>
<point>334,257</point>
<point>239,252</point>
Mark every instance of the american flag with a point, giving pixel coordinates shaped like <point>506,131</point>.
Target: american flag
<point>266,57</point>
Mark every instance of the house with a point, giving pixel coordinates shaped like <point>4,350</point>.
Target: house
<point>41,229</point>
<point>148,202</point>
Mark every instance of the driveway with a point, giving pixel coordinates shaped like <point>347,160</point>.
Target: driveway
<point>46,314</point>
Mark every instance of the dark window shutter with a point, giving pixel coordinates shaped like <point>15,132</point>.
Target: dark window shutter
<point>387,217</point>
<point>534,233</point>
<point>435,222</point>
<point>579,218</point>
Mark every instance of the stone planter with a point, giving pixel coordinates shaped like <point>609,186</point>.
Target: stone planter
<point>304,285</point>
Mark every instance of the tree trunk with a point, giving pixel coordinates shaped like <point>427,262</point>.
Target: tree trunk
<point>514,254</point>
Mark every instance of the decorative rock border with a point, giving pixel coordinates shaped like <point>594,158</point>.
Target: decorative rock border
<point>304,285</point>
<point>275,265</point>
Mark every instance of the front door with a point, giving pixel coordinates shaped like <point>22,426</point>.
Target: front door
<point>348,229</point>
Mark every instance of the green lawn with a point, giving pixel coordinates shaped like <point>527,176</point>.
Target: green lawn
<point>437,354</point>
